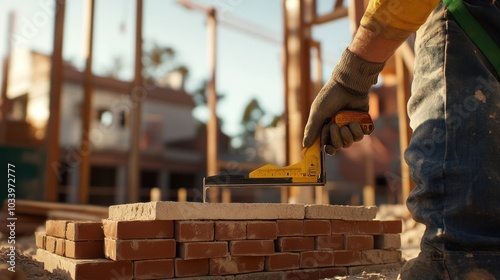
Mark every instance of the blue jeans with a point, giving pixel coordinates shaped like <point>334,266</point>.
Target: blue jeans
<point>454,152</point>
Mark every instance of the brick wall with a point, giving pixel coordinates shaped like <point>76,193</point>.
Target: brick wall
<point>160,240</point>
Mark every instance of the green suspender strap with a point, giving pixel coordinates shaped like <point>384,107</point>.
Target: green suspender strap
<point>475,32</point>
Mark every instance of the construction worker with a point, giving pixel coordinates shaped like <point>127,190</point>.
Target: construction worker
<point>454,110</point>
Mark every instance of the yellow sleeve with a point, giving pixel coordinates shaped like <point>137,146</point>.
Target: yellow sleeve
<point>397,19</point>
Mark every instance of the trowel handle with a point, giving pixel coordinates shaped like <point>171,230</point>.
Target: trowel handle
<point>346,117</point>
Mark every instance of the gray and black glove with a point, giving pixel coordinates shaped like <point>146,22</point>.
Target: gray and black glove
<point>347,89</point>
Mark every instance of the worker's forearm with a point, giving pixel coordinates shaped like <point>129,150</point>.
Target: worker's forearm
<point>372,46</point>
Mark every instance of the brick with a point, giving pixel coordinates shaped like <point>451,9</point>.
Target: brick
<point>93,249</point>
<point>393,226</point>
<point>203,250</point>
<point>301,274</point>
<point>369,227</point>
<point>359,242</point>
<point>329,242</point>
<point>50,244</point>
<point>261,230</point>
<point>40,239</point>
<point>56,228</point>
<point>311,259</point>
<point>230,230</point>
<point>317,227</point>
<point>154,269</point>
<point>332,272</point>
<point>260,276</point>
<point>282,261</point>
<point>252,247</point>
<point>170,210</point>
<point>186,268</point>
<point>340,226</point>
<point>138,229</point>
<point>290,227</point>
<point>295,244</point>
<point>387,241</point>
<point>60,246</point>
<point>228,277</point>
<point>236,265</point>
<point>191,231</point>
<point>84,231</point>
<point>139,249</point>
<point>381,256</point>
<point>340,212</point>
<point>347,258</point>
<point>85,269</point>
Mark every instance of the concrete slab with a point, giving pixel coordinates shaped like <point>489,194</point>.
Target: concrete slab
<point>169,210</point>
<point>340,212</point>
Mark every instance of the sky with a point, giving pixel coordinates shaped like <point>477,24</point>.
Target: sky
<point>247,66</point>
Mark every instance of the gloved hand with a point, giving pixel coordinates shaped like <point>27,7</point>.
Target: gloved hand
<point>347,89</point>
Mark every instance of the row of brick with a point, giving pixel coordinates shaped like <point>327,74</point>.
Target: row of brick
<point>281,266</point>
<point>185,231</point>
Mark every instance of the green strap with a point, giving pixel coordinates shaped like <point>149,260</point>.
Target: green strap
<point>475,32</point>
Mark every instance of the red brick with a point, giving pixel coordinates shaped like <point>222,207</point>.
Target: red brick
<point>50,243</point>
<point>252,247</point>
<point>56,228</point>
<point>230,230</point>
<point>93,249</point>
<point>185,268</point>
<point>317,227</point>
<point>341,226</point>
<point>154,269</point>
<point>347,258</point>
<point>203,250</point>
<point>369,227</point>
<point>316,259</point>
<point>235,265</point>
<point>282,261</point>
<point>40,239</point>
<point>139,249</point>
<point>83,231</point>
<point>331,272</point>
<point>395,226</point>
<point>302,274</point>
<point>295,244</point>
<point>359,242</point>
<point>261,230</point>
<point>290,227</point>
<point>381,256</point>
<point>387,241</point>
<point>192,231</point>
<point>138,229</point>
<point>330,242</point>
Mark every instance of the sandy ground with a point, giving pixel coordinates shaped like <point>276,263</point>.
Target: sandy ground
<point>28,268</point>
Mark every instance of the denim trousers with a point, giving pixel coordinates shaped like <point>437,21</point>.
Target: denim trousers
<point>454,152</point>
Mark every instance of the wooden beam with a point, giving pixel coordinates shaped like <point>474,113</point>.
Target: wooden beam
<point>4,100</point>
<point>337,13</point>
<point>137,93</point>
<point>86,145</point>
<point>403,94</point>
<point>52,174</point>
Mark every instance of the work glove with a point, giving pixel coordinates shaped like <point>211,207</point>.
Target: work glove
<point>347,89</point>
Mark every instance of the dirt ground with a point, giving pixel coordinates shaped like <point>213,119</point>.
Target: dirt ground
<point>28,268</point>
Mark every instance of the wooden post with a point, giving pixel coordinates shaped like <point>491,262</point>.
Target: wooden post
<point>403,94</point>
<point>5,79</point>
<point>137,93</point>
<point>52,178</point>
<point>86,145</point>
<point>212,126</point>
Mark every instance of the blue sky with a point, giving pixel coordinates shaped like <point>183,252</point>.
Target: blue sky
<point>248,66</point>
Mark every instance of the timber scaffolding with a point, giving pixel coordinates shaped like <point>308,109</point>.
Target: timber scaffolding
<point>189,240</point>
